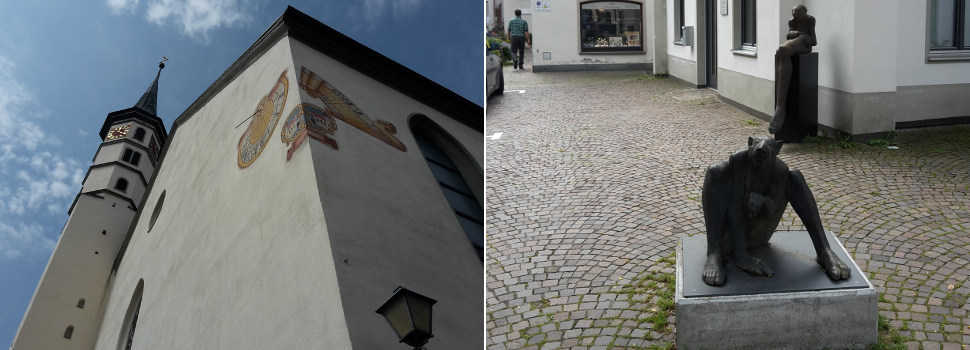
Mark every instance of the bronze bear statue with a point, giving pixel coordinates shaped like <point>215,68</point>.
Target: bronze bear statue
<point>744,198</point>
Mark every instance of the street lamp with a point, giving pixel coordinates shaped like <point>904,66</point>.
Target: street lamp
<point>409,314</point>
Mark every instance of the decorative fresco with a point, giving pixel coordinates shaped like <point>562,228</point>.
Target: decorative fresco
<point>153,149</point>
<point>338,106</point>
<point>264,121</point>
<point>308,120</point>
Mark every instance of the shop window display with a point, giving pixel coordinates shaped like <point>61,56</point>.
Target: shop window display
<point>608,26</point>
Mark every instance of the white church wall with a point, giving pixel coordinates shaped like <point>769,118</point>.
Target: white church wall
<point>107,177</point>
<point>239,258</point>
<point>389,223</point>
<point>78,269</point>
<point>113,153</point>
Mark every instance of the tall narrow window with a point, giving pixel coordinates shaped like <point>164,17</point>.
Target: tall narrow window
<point>158,209</point>
<point>948,25</point>
<point>679,21</point>
<point>140,134</point>
<point>606,26</point>
<point>121,185</point>
<point>748,24</point>
<point>80,303</point>
<point>69,332</point>
<point>450,165</point>
<point>131,318</point>
<point>132,157</point>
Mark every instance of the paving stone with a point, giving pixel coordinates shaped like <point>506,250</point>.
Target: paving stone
<point>598,173</point>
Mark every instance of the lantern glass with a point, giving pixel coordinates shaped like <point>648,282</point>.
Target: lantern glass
<point>397,314</point>
<point>420,311</point>
<point>409,314</point>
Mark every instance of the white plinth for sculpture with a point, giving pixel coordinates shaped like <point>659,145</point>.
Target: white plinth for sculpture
<point>797,308</point>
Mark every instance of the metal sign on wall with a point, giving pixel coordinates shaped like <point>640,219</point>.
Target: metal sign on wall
<point>542,6</point>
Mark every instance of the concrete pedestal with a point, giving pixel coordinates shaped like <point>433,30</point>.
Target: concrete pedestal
<point>802,108</point>
<point>797,308</point>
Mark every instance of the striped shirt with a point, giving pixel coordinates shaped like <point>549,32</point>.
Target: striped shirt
<point>518,26</point>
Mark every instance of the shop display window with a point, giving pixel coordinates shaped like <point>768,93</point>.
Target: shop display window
<point>610,26</point>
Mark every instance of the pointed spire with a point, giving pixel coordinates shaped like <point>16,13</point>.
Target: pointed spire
<point>149,100</point>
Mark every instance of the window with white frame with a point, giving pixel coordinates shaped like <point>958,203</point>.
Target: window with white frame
<point>949,30</point>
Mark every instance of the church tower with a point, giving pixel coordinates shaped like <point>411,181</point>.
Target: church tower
<point>65,311</point>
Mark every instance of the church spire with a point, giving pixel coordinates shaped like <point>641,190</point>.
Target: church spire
<point>149,100</point>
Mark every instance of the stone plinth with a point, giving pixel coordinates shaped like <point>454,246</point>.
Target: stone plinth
<point>802,110</point>
<point>797,308</point>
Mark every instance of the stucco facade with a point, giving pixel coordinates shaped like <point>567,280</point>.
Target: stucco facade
<point>875,71</point>
<point>292,199</point>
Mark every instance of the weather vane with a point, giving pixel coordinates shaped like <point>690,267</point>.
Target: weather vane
<point>161,64</point>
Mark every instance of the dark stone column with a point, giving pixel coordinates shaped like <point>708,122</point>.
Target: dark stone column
<point>802,109</point>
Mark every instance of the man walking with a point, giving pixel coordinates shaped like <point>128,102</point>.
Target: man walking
<point>519,34</point>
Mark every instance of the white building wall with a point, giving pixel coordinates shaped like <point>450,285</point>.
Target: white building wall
<point>389,222</point>
<point>557,32</point>
<point>682,61</point>
<point>508,12</point>
<point>873,70</point>
<point>239,258</point>
<point>745,79</point>
<point>926,90</point>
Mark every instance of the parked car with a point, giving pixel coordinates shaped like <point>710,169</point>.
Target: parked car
<point>494,81</point>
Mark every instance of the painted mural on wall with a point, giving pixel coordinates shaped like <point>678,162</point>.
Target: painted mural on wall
<point>308,120</point>
<point>264,121</point>
<point>338,106</point>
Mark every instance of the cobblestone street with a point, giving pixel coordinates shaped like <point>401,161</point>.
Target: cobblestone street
<point>596,174</point>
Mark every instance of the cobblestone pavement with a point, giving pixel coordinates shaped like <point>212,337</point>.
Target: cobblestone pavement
<point>597,173</point>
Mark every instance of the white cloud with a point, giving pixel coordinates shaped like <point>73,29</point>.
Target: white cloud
<point>373,11</point>
<point>122,5</point>
<point>194,18</point>
<point>15,125</point>
<point>18,239</point>
<point>36,185</point>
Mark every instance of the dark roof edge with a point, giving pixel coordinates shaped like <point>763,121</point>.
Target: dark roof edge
<point>342,48</point>
<point>355,55</point>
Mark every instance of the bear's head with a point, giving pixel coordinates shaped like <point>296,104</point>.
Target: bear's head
<point>763,150</point>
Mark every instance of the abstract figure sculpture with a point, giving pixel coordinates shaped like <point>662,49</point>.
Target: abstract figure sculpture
<point>800,39</point>
<point>744,199</point>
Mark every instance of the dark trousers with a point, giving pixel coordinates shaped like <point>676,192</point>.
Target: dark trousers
<point>518,50</point>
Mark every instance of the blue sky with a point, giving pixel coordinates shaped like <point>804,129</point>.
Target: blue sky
<point>65,64</point>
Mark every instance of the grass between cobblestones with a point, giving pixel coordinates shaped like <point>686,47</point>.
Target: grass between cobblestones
<point>889,337</point>
<point>657,288</point>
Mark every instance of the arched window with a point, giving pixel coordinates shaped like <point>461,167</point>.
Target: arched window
<point>140,134</point>
<point>80,303</point>
<point>69,332</point>
<point>121,185</point>
<point>458,175</point>
<point>158,209</point>
<point>131,318</point>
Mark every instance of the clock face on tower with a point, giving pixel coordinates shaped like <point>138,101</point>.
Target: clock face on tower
<point>117,132</point>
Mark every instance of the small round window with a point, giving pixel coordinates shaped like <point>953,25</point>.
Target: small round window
<point>158,209</point>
